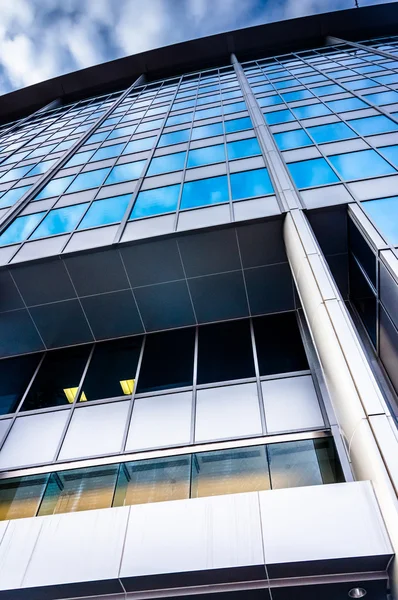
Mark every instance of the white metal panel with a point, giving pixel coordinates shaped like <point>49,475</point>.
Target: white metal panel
<point>17,544</point>
<point>322,522</point>
<point>75,547</point>
<point>33,439</point>
<point>255,208</point>
<point>203,217</point>
<point>144,228</point>
<point>192,535</point>
<point>92,238</point>
<point>375,188</point>
<point>40,248</point>
<point>95,430</point>
<point>326,196</point>
<point>160,421</point>
<point>225,412</point>
<point>291,403</point>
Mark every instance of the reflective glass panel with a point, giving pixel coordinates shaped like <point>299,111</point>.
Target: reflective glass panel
<point>58,378</point>
<point>19,229</point>
<point>179,119</point>
<point>54,188</point>
<point>294,96</point>
<point>156,201</point>
<point>302,463</point>
<point>85,181</point>
<point>12,196</point>
<point>279,116</point>
<point>358,165</point>
<point>204,192</point>
<point>243,148</point>
<point>108,152</point>
<point>308,173</point>
<point>206,156</point>
<point>229,472</point>
<point>206,131</point>
<point>167,163</point>
<point>325,90</point>
<point>126,172</point>
<point>112,369</point>
<point>292,139</point>
<point>149,126</point>
<point>154,480</point>
<point>312,110</point>
<point>139,145</point>
<point>331,132</point>
<point>371,125</point>
<point>14,174</point>
<point>391,153</point>
<point>208,113</point>
<point>383,98</point>
<point>237,125</point>
<point>15,375</point>
<point>60,220</point>
<point>102,212</point>
<point>346,104</point>
<point>270,101</point>
<point>79,489</point>
<point>20,496</point>
<point>250,183</point>
<point>175,137</point>
<point>384,213</point>
<point>120,132</point>
<point>79,159</point>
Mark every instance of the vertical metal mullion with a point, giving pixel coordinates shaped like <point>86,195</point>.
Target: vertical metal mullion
<point>139,183</point>
<point>72,408</point>
<point>132,399</point>
<point>194,386</point>
<point>258,381</point>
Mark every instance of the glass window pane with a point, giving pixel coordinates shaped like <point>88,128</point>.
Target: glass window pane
<point>119,132</point>
<point>85,181</point>
<point>19,229</point>
<point>331,132</point>
<point>325,90</point>
<point>294,96</point>
<point>270,100</point>
<point>173,368</point>
<point>229,472</point>
<point>305,462</point>
<point>313,110</point>
<point>206,156</point>
<point>176,137</point>
<point>60,220</point>
<point>54,188</point>
<point>12,196</point>
<point>359,84</point>
<point>292,139</point>
<point>383,98</point>
<point>58,378</point>
<point>20,497</point>
<point>204,192</point>
<point>237,125</point>
<point>166,164</point>
<point>279,116</point>
<point>149,126</point>
<point>279,345</point>
<point>384,213</point>
<point>208,113</point>
<point>371,125</point>
<point>363,298</point>
<point>250,183</point>
<point>391,153</point>
<point>126,172</point>
<point>102,212</point>
<point>205,131</point>
<point>139,145</point>
<point>14,174</point>
<point>15,375</point>
<point>107,152</point>
<point>79,489</point>
<point>154,480</point>
<point>243,148</point>
<point>346,104</point>
<point>225,352</point>
<point>179,119</point>
<point>308,173</point>
<point>358,165</point>
<point>79,159</point>
<point>157,201</point>
<point>112,370</point>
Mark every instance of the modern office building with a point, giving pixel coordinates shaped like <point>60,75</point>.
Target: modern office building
<point>199,320</point>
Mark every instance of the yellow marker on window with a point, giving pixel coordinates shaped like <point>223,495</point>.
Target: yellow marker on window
<point>127,386</point>
<point>70,394</point>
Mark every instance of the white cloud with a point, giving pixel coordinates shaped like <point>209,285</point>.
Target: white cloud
<point>40,39</point>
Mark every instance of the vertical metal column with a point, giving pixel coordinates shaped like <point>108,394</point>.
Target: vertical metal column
<point>361,411</point>
<point>26,198</point>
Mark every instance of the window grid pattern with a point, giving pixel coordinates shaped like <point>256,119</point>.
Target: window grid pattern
<point>147,113</point>
<point>74,398</point>
<point>40,141</point>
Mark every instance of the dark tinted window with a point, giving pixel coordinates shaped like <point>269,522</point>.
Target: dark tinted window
<point>15,374</point>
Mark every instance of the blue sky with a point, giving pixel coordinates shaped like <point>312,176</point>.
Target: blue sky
<point>40,39</point>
